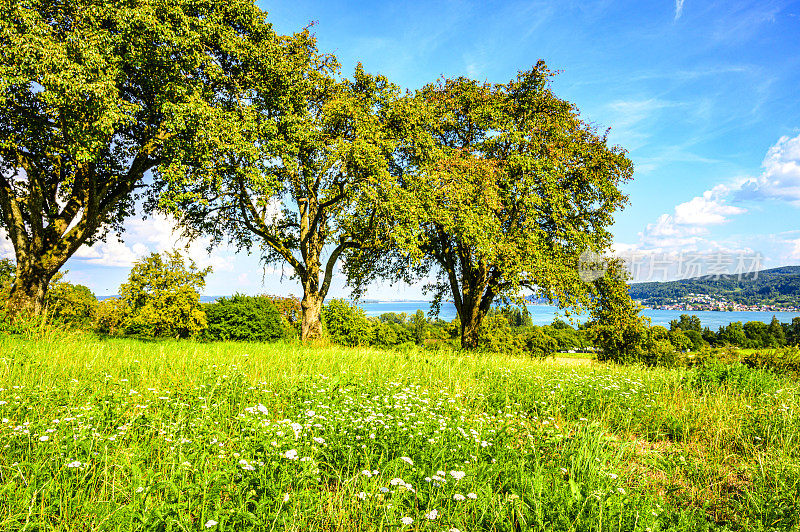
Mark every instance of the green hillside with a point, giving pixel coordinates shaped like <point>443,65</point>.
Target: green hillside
<point>777,286</point>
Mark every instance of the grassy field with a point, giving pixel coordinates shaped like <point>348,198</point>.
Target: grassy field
<point>127,435</point>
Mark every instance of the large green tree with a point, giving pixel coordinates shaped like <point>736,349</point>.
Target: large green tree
<point>96,94</point>
<point>503,188</point>
<point>314,199</point>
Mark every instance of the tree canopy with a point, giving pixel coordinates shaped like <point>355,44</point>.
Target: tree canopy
<point>314,198</point>
<point>94,95</point>
<point>503,188</point>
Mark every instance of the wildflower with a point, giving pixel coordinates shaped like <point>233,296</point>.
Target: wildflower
<point>139,489</point>
<point>612,476</point>
<point>406,521</point>
<point>458,497</point>
<point>74,464</point>
<point>396,481</point>
<point>366,473</point>
<point>361,495</point>
<point>471,496</point>
<point>291,454</point>
<point>44,438</point>
<point>310,413</point>
<point>458,475</point>
<point>432,515</point>
<point>285,497</point>
<point>621,491</point>
<point>319,440</point>
<point>407,460</point>
<point>211,523</point>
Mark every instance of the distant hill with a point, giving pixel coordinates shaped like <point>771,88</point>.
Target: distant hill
<point>777,286</point>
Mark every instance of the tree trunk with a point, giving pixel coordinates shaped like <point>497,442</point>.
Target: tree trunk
<point>471,323</point>
<point>30,288</point>
<point>311,325</point>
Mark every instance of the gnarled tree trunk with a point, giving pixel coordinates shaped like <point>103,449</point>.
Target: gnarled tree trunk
<point>30,289</point>
<point>311,325</point>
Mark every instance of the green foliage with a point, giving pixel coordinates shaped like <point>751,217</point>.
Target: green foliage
<point>327,153</point>
<point>71,305</point>
<point>419,323</point>
<point>793,332</point>
<point>347,324</point>
<point>616,329</point>
<point>94,95</point>
<point>241,317</point>
<point>715,374</point>
<point>732,334</point>
<point>161,297</point>
<point>497,336</point>
<point>658,350</point>
<point>7,269</point>
<point>538,344</point>
<point>784,360</point>
<point>109,316</point>
<point>485,201</point>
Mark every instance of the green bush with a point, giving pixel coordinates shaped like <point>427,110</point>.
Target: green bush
<point>347,324</point>
<point>497,336</point>
<point>241,317</point>
<point>161,298</point>
<point>538,344</point>
<point>73,305</point>
<point>108,316</point>
<point>785,360</point>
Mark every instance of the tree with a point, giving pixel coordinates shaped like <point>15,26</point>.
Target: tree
<point>686,323</point>
<point>793,332</point>
<point>503,187</point>
<point>161,298</point>
<point>94,95</point>
<point>314,199</point>
<point>776,334</point>
<point>617,329</point>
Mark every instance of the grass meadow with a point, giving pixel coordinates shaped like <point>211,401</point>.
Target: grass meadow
<point>120,434</point>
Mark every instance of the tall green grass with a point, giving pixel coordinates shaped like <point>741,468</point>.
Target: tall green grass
<point>116,434</point>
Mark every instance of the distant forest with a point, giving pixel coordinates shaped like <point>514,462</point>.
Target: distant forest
<point>778,286</point>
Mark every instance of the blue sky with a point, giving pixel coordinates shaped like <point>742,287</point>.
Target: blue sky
<point>703,95</point>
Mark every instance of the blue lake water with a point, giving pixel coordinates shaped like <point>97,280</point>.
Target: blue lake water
<point>544,314</point>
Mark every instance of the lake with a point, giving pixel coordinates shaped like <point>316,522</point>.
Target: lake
<point>544,314</point>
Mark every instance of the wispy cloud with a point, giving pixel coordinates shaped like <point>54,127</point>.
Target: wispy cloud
<point>678,9</point>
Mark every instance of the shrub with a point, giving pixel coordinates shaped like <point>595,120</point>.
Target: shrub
<point>241,317</point>
<point>785,360</point>
<point>73,305</point>
<point>347,324</point>
<point>161,297</point>
<point>108,316</point>
<point>497,336</point>
<point>538,344</point>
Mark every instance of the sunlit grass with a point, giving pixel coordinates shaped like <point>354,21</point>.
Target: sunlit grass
<point>101,434</point>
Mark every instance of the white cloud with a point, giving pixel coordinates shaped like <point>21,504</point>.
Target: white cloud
<point>780,179</point>
<point>678,9</point>
<point>155,234</point>
<point>708,209</point>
